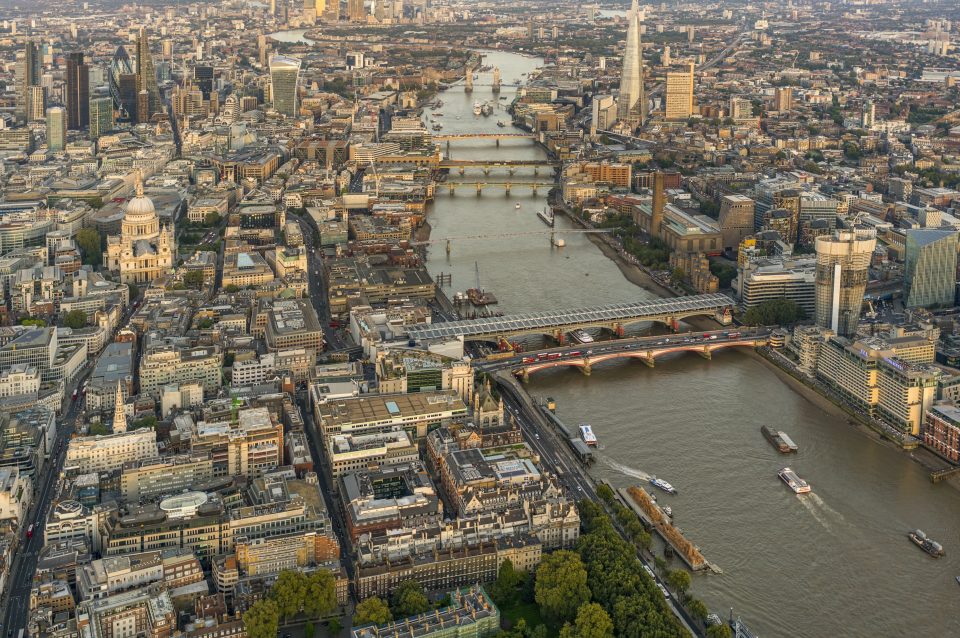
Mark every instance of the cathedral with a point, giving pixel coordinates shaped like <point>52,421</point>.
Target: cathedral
<point>143,251</point>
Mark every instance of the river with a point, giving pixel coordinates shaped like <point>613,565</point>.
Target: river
<point>835,562</point>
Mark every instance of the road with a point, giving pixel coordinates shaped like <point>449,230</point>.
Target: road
<point>16,601</point>
<point>554,452</point>
<point>318,290</point>
<point>629,344</point>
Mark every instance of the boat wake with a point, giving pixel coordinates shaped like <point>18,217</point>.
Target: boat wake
<point>821,505</point>
<point>624,469</point>
<point>815,511</point>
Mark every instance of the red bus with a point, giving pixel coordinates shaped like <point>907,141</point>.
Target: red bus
<point>30,531</point>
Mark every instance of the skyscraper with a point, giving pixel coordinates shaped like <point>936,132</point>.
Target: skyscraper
<point>101,116</point>
<point>930,267</point>
<point>632,102</point>
<point>356,11</point>
<point>56,128</point>
<point>123,85</point>
<point>679,100</point>
<point>78,92</point>
<point>36,103</point>
<point>203,76</point>
<point>843,261</point>
<point>28,74</point>
<point>284,74</point>
<point>147,75</point>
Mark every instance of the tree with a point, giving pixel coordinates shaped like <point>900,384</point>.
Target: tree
<point>34,322</point>
<point>561,586</point>
<point>677,275</point>
<point>134,291</point>
<point>592,622</point>
<point>211,219</point>
<point>193,279</point>
<point>231,288</point>
<point>718,631</point>
<point>89,242</point>
<point>75,319</point>
<point>98,429</point>
<point>262,619</point>
<point>679,580</point>
<point>409,600</point>
<point>145,422</point>
<point>504,590</point>
<point>774,312</point>
<point>697,609</point>
<point>320,596</point>
<point>371,611</point>
<point>288,592</point>
<point>724,272</point>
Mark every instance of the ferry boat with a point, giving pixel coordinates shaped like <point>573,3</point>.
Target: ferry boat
<point>586,433</point>
<point>501,123</point>
<point>517,206</point>
<point>477,108</point>
<point>663,485</point>
<point>793,481</point>
<point>437,126</point>
<point>486,109</point>
<point>580,336</point>
<point>931,547</point>
<point>546,216</point>
<point>778,440</point>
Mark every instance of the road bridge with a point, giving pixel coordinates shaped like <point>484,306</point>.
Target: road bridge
<point>505,185</point>
<point>552,233</point>
<point>486,166</point>
<point>555,324</point>
<point>482,136</point>
<point>645,349</point>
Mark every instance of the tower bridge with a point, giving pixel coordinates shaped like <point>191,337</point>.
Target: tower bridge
<point>555,324</point>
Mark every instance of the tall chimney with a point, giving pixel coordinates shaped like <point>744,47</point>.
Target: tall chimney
<point>656,215</point>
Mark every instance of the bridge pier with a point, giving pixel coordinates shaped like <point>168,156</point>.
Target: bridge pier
<point>506,187</point>
<point>525,376</point>
<point>559,336</point>
<point>534,187</point>
<point>618,329</point>
<point>706,354</point>
<point>486,170</point>
<point>479,189</point>
<point>448,150</point>
<point>448,248</point>
<point>536,170</point>
<point>462,171</point>
<point>586,370</point>
<point>497,140</point>
<point>451,188</point>
<point>511,169</point>
<point>648,360</point>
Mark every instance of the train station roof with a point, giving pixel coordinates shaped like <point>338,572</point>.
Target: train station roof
<point>631,311</point>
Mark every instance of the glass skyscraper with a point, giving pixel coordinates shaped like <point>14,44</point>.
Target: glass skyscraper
<point>101,116</point>
<point>56,128</point>
<point>930,268</point>
<point>284,74</point>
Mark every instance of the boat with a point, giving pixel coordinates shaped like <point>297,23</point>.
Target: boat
<point>778,440</point>
<point>480,297</point>
<point>486,109</point>
<point>517,206</point>
<point>437,126</point>
<point>793,481</point>
<point>663,485</point>
<point>668,510</point>
<point>559,242</point>
<point>586,433</point>
<point>501,123</point>
<point>580,336</point>
<point>958,579</point>
<point>931,547</point>
<point>477,108</point>
<point>547,217</point>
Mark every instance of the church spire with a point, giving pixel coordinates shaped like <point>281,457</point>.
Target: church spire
<point>138,182</point>
<point>119,414</point>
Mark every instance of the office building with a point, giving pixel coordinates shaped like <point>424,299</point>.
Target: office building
<point>941,431</point>
<point>36,103</point>
<point>203,77</point>
<point>56,128</point>
<point>783,98</point>
<point>78,92</point>
<point>170,364</point>
<point>148,103</point>
<point>356,11</point>
<point>631,105</point>
<point>27,75</point>
<point>843,261</point>
<point>470,614</point>
<point>123,85</point>
<point>101,116</point>
<point>109,452</point>
<point>679,99</point>
<point>736,220</point>
<point>930,268</point>
<point>763,280</point>
<point>284,76</point>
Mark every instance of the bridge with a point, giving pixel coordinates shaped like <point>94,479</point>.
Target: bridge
<point>487,165</point>
<point>646,349</point>
<point>552,233</point>
<point>506,185</point>
<point>556,324</point>
<point>482,136</point>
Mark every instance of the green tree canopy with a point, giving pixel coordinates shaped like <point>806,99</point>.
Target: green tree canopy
<point>679,579</point>
<point>75,319</point>
<point>592,622</point>
<point>262,619</point>
<point>193,279</point>
<point>719,631</point>
<point>288,592</point>
<point>774,312</point>
<point>88,240</point>
<point>408,599</point>
<point>504,589</point>
<point>33,321</point>
<point>561,586</point>
<point>320,593</point>
<point>371,611</point>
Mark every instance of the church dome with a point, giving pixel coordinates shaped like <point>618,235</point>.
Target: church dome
<point>140,208</point>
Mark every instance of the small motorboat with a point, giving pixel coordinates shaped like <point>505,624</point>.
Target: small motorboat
<point>517,206</point>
